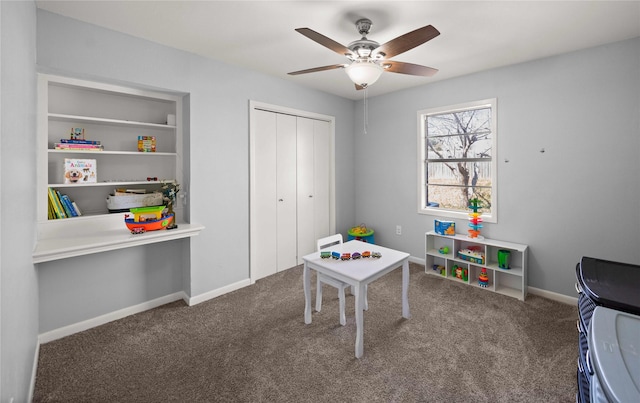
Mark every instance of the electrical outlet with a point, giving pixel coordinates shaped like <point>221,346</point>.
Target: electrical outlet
<point>398,230</point>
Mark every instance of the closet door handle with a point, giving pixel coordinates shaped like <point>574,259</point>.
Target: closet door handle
<point>280,199</point>
<point>310,195</point>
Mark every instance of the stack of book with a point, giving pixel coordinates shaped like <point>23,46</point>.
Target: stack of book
<point>79,145</point>
<point>61,206</point>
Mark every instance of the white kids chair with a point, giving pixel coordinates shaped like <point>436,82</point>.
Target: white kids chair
<point>324,279</point>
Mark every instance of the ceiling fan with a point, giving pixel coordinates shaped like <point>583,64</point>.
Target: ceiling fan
<point>368,59</point>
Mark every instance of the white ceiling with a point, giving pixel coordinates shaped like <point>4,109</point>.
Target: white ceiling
<point>259,35</point>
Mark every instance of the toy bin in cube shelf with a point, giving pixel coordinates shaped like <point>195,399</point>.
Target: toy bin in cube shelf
<point>359,234</point>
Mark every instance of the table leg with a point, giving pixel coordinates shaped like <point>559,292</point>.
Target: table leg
<point>405,289</point>
<point>359,297</point>
<point>306,283</point>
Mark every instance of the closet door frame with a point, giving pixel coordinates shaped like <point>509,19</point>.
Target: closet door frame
<point>253,106</point>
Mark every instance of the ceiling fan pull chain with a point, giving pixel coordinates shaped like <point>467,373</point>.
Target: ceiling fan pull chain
<point>366,110</point>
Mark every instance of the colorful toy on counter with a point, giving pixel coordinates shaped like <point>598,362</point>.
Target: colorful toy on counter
<point>325,255</point>
<point>335,255</point>
<point>483,278</point>
<point>475,221</point>
<point>345,256</point>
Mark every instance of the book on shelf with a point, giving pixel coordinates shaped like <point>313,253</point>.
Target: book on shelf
<point>77,141</point>
<point>56,205</point>
<point>78,170</point>
<point>61,206</point>
<point>68,207</point>
<point>79,147</point>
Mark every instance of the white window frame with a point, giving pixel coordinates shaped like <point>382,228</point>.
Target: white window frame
<point>422,143</point>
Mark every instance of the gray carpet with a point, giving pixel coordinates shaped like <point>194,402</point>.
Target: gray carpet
<point>462,344</point>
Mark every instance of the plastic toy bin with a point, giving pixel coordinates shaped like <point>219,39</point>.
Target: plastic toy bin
<point>364,237</point>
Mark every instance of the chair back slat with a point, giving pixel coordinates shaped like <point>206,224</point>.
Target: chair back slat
<point>329,241</point>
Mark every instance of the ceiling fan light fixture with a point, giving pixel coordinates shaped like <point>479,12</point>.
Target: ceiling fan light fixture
<point>364,73</point>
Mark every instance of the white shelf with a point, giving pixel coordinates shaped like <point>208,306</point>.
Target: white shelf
<point>104,234</point>
<point>111,122</point>
<point>511,282</point>
<point>111,152</point>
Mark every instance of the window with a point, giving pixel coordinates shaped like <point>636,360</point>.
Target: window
<point>457,159</point>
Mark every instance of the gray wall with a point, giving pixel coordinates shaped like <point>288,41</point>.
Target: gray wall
<point>219,97</point>
<point>581,197</point>
<point>18,281</point>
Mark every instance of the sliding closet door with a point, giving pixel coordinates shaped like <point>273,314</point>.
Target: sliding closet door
<point>313,184</point>
<point>286,191</point>
<point>264,197</point>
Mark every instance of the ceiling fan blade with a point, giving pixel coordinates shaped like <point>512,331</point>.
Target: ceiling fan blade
<point>325,41</point>
<point>407,41</point>
<point>315,69</point>
<point>408,68</point>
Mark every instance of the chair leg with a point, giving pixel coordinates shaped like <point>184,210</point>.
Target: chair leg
<point>318,295</point>
<point>343,317</point>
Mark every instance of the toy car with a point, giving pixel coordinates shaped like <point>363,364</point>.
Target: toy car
<point>376,255</point>
<point>335,255</point>
<point>346,256</point>
<point>325,254</point>
<point>366,254</point>
<point>355,255</point>
<point>137,230</point>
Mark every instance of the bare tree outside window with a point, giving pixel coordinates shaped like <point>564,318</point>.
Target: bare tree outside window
<point>458,158</point>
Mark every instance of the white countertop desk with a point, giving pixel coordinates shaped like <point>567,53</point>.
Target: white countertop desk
<point>357,273</point>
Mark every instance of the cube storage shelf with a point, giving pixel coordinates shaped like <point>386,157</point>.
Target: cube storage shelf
<point>511,282</point>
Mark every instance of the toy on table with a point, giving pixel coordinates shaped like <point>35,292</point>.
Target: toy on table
<point>345,256</point>
<point>147,218</point>
<point>483,278</point>
<point>325,255</point>
<point>366,254</point>
<point>444,250</point>
<point>355,255</point>
<point>474,219</point>
<point>376,255</point>
<point>335,255</point>
<point>460,272</point>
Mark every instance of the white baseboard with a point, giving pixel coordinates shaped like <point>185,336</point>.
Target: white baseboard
<point>109,317</point>
<point>553,296</point>
<point>217,292</point>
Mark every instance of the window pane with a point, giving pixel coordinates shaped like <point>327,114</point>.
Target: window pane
<point>459,146</point>
<point>451,185</point>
